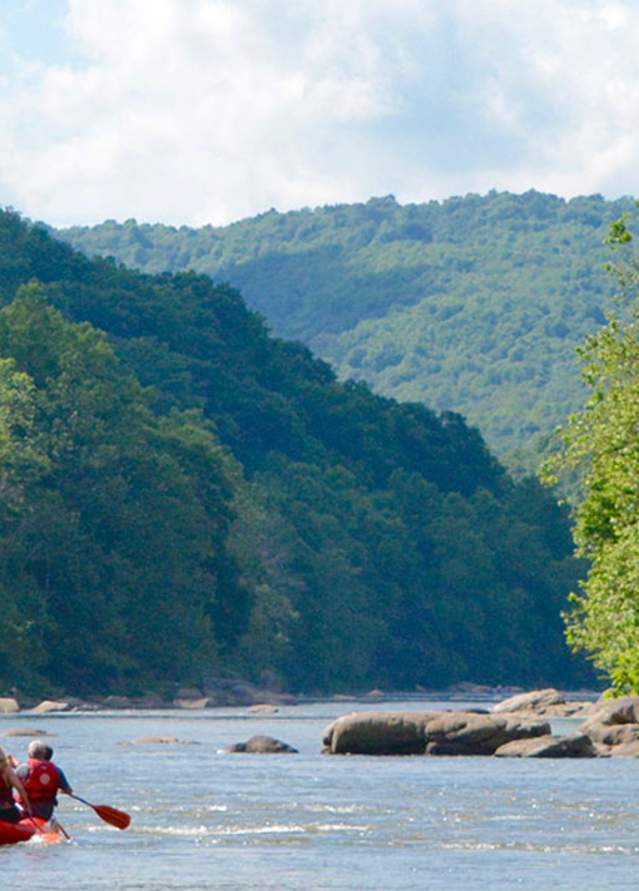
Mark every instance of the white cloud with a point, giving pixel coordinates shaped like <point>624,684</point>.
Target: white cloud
<point>191,111</point>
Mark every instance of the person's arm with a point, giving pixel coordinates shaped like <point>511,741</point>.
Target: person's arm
<point>11,778</point>
<point>64,783</point>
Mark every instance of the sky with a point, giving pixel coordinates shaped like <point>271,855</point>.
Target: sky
<point>207,111</point>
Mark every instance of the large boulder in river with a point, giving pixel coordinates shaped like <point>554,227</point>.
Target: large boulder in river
<point>614,726</point>
<point>548,703</point>
<point>263,745</point>
<point>427,733</point>
<point>469,733</point>
<point>576,746</point>
<point>378,733</point>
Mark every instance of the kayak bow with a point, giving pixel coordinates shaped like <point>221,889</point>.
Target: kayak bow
<point>12,833</point>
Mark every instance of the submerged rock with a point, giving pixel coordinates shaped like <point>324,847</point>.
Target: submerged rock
<point>27,731</point>
<point>263,708</point>
<point>263,745</point>
<point>155,741</point>
<point>427,733</point>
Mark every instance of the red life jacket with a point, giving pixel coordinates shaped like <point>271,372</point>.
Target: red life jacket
<point>43,781</point>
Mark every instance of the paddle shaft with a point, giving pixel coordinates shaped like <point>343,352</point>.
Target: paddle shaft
<point>77,798</point>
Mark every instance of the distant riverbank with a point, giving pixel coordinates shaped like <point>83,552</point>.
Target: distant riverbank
<point>234,692</point>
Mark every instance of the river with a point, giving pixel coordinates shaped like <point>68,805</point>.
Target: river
<point>202,819</point>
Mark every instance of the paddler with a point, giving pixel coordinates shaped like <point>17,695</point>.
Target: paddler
<point>42,780</point>
<point>9,781</point>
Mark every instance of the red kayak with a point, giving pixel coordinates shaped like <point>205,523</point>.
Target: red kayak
<point>12,833</point>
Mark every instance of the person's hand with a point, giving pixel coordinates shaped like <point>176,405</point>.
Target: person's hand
<point>12,761</point>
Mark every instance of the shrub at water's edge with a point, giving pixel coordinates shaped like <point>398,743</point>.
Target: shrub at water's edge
<point>602,442</point>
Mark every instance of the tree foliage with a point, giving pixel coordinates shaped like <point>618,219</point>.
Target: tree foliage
<point>602,442</point>
<point>185,495</point>
<point>473,304</point>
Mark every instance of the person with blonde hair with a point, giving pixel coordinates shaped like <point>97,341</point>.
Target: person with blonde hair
<point>9,812</point>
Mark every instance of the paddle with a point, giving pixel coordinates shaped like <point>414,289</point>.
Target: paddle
<point>109,814</point>
<point>56,824</point>
<point>47,836</point>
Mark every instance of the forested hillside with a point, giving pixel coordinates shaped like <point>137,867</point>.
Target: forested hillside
<point>474,304</point>
<point>184,494</point>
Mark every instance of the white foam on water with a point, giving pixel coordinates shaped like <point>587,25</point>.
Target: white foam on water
<point>540,848</point>
<point>267,829</point>
<point>335,808</point>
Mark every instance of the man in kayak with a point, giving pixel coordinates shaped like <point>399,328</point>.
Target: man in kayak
<point>8,782</point>
<point>42,780</point>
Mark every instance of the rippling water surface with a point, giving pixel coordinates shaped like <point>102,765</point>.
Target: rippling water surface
<point>207,820</point>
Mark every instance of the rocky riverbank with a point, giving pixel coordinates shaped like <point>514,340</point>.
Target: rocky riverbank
<point>224,694</point>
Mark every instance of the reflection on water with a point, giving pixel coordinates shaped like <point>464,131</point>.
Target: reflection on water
<point>205,820</point>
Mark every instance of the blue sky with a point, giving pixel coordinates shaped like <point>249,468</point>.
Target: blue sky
<point>196,111</point>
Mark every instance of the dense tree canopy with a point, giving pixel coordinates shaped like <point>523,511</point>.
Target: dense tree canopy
<point>185,495</point>
<point>602,442</point>
<point>474,304</point>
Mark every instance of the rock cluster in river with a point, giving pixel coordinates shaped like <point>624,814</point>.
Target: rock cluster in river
<point>516,728</point>
<point>428,733</point>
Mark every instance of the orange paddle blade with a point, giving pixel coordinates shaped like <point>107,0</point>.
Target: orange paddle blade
<point>112,815</point>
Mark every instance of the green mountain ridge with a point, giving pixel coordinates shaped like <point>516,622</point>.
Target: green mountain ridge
<point>473,305</point>
<point>200,497</point>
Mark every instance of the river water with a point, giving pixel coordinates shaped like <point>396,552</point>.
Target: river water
<point>202,819</point>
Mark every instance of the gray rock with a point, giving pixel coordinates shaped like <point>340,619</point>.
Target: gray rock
<point>614,726</point>
<point>192,704</point>
<point>377,733</point>
<point>624,750</point>
<point>117,702</point>
<point>624,710</point>
<point>576,746</point>
<point>535,701</point>
<point>27,731</point>
<point>427,733</point>
<point>467,733</point>
<point>50,705</point>
<point>8,705</point>
<point>263,708</point>
<point>262,745</point>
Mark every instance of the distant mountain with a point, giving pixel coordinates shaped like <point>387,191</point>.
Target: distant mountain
<point>184,494</point>
<point>474,305</point>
